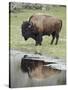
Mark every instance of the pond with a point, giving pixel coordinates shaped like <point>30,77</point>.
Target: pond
<point>39,70</point>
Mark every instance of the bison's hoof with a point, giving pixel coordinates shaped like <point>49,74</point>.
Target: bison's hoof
<point>51,43</point>
<point>55,44</point>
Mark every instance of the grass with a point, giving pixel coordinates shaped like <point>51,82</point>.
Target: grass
<point>18,42</point>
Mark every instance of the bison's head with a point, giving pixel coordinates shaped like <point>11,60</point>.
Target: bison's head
<point>27,28</point>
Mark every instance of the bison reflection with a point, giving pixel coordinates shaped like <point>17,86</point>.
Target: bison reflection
<point>40,25</point>
<point>37,68</point>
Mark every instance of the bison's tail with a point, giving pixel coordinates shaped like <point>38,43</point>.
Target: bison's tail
<point>60,24</point>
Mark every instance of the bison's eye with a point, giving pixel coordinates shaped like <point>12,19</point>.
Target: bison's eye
<point>29,26</point>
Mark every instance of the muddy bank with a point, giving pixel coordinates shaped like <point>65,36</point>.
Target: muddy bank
<point>40,75</point>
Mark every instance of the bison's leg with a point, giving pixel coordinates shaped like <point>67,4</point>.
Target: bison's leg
<point>39,39</point>
<point>38,43</point>
<point>53,37</point>
<point>29,72</point>
<point>57,38</point>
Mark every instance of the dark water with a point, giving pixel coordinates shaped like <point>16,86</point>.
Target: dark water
<point>21,79</point>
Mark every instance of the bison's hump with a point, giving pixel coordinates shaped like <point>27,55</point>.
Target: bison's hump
<point>45,22</point>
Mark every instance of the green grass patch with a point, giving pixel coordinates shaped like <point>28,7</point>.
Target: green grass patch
<point>18,42</point>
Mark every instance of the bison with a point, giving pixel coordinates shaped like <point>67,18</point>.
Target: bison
<point>28,64</point>
<point>39,25</point>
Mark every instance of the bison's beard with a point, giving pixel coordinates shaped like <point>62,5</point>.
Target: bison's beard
<point>25,39</point>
